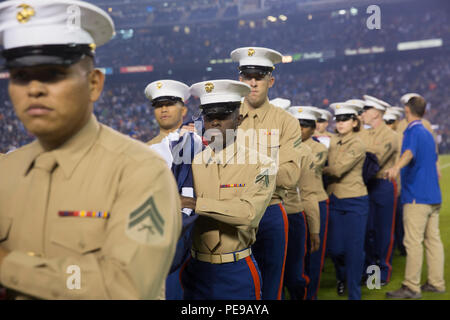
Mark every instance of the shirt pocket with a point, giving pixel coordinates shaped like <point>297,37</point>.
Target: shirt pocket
<point>5,227</point>
<point>80,235</point>
<point>230,193</point>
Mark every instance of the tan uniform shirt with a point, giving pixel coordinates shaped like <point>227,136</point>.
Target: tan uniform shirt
<point>320,156</point>
<point>304,197</point>
<point>275,132</point>
<point>345,162</point>
<point>157,139</point>
<point>124,252</point>
<point>232,196</point>
<point>383,142</point>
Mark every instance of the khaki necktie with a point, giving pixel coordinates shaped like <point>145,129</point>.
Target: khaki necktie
<point>34,214</point>
<point>253,141</point>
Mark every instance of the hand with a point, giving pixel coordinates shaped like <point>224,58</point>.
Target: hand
<point>315,242</point>
<point>188,202</point>
<point>392,173</point>
<point>187,128</point>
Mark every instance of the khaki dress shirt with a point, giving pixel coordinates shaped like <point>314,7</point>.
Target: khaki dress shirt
<point>97,218</point>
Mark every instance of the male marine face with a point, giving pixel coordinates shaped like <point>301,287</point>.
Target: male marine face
<point>52,101</point>
<point>217,125</point>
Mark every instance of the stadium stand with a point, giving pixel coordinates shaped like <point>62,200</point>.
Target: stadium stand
<point>184,52</point>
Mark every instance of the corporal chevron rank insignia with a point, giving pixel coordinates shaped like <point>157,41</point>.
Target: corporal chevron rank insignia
<point>297,142</point>
<point>320,155</point>
<point>263,178</point>
<point>145,224</point>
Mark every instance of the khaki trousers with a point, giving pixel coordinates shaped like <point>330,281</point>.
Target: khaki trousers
<point>421,223</point>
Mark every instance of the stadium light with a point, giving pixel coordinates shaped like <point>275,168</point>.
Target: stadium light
<point>353,11</point>
<point>342,12</point>
<point>252,24</point>
<point>272,19</point>
<point>187,30</point>
<point>287,59</point>
<point>283,17</point>
<point>310,16</point>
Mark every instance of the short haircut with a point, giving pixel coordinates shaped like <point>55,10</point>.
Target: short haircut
<point>88,63</point>
<point>417,106</point>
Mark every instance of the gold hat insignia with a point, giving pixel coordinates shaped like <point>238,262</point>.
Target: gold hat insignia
<point>24,15</point>
<point>300,110</point>
<point>159,85</point>
<point>209,87</point>
<point>338,107</point>
<point>251,52</point>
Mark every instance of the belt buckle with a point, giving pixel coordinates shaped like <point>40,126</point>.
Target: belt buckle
<point>237,256</point>
<point>215,258</point>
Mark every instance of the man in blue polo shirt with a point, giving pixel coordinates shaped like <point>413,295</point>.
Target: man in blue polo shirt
<point>421,199</point>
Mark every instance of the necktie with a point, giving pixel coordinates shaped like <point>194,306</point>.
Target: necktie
<point>34,214</point>
<point>253,137</point>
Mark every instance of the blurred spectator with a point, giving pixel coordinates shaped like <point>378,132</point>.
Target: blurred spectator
<point>124,107</point>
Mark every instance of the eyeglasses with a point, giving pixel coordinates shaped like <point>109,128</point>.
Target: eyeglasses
<point>343,117</point>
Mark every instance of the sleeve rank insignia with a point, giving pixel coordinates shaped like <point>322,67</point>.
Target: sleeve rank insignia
<point>263,177</point>
<point>145,223</point>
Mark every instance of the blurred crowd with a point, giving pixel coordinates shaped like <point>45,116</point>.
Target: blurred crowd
<point>201,42</point>
<point>124,107</point>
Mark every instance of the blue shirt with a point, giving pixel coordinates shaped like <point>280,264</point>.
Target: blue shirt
<point>420,181</point>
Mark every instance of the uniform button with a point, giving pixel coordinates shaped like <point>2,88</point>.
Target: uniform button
<point>81,244</point>
<point>34,254</point>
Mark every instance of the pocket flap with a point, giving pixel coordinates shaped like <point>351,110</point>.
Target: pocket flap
<point>78,234</point>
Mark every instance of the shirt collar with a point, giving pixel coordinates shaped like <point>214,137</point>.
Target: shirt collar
<point>72,151</point>
<point>414,123</point>
<point>35,149</point>
<point>223,157</point>
<point>261,112</point>
<point>381,127</point>
<point>345,139</point>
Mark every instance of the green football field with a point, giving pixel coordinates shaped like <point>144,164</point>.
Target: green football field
<point>328,280</point>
